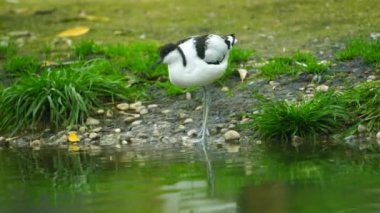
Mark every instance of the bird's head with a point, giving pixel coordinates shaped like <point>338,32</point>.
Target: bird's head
<point>166,50</point>
<point>231,40</point>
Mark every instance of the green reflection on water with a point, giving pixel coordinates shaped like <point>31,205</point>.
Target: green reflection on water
<point>160,181</point>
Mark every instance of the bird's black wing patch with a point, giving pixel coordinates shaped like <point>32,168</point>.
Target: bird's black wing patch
<point>200,46</point>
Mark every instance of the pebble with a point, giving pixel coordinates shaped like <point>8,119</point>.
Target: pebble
<point>362,128</point>
<point>322,88</point>
<point>274,84</point>
<point>378,135</point>
<point>192,133</point>
<point>132,117</point>
<point>136,123</point>
<point>183,115</point>
<point>109,113</point>
<point>225,89</point>
<point>144,111</point>
<point>371,78</point>
<point>231,135</point>
<point>92,121</point>
<point>100,111</point>
<point>2,139</point>
<point>36,144</point>
<point>188,120</point>
<point>232,148</point>
<point>188,96</point>
<point>122,106</point>
<point>198,108</point>
<point>117,130</point>
<point>166,111</point>
<point>152,106</point>
<point>82,129</point>
<point>135,105</point>
<point>93,135</point>
<point>97,129</point>
<point>107,140</point>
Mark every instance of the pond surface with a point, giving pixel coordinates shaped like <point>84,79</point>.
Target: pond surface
<point>232,178</point>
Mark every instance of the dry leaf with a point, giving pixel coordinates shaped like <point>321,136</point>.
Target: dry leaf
<point>73,137</point>
<point>74,148</point>
<point>243,73</point>
<point>75,31</point>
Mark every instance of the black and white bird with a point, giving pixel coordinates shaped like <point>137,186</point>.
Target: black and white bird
<point>198,61</point>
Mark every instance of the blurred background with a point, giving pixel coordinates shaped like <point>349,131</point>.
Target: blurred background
<point>269,26</point>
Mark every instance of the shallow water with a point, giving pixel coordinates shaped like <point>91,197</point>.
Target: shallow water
<point>235,178</point>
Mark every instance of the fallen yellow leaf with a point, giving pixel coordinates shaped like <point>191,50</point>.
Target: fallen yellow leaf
<point>75,31</point>
<point>73,137</point>
<point>74,147</point>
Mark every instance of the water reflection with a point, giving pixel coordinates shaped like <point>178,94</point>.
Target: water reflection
<point>183,179</point>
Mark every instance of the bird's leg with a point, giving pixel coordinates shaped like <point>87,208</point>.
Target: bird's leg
<point>206,106</point>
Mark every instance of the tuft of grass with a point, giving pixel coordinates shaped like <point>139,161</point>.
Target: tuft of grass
<point>368,50</point>
<point>282,120</point>
<point>293,65</point>
<point>7,49</point>
<point>137,57</point>
<point>86,48</point>
<point>18,65</point>
<point>363,100</point>
<point>61,97</point>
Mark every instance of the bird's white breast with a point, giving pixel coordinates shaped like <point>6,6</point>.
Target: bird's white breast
<point>197,72</point>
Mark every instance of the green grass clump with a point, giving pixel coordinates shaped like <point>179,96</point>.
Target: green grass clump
<point>18,65</point>
<point>7,50</point>
<point>293,65</point>
<point>368,50</point>
<point>60,97</point>
<point>137,57</point>
<point>363,100</point>
<point>86,48</point>
<point>308,119</point>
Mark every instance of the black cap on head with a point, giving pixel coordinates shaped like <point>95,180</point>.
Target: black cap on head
<point>166,49</point>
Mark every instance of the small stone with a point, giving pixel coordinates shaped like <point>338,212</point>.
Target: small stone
<point>378,135</point>
<point>82,129</point>
<point>225,89</point>
<point>93,135</point>
<point>188,96</point>
<point>362,128</point>
<point>166,111</point>
<point>223,130</point>
<point>188,120</point>
<point>124,142</point>
<point>322,88</point>
<point>274,84</point>
<point>198,108</point>
<point>36,144</point>
<point>231,135</point>
<point>92,121</point>
<point>100,111</point>
<point>2,139</point>
<point>107,140</point>
<point>97,129</point>
<point>309,90</point>
<point>183,115</point>
<point>144,111</point>
<point>136,123</point>
<point>109,113</point>
<point>181,127</point>
<point>371,78</point>
<point>152,106</point>
<point>374,35</point>
<point>117,130</point>
<point>297,141</point>
<point>135,105</point>
<point>232,148</point>
<point>192,133</point>
<point>122,106</point>
<point>258,142</point>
